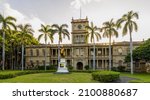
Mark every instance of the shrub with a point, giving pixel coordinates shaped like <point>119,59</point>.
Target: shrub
<point>105,76</point>
<point>6,76</point>
<point>52,67</point>
<point>114,69</point>
<point>70,67</point>
<point>87,67</point>
<point>12,74</point>
<point>121,68</point>
<point>82,71</point>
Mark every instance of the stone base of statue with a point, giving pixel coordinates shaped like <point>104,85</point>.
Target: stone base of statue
<point>62,69</point>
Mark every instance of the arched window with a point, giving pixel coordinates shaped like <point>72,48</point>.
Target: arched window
<point>120,63</point>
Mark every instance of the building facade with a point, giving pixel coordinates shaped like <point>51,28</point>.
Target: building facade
<point>79,53</point>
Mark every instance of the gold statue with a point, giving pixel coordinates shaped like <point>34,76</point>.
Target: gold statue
<point>62,52</point>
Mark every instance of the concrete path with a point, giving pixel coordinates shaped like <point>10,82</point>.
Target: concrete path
<point>125,79</point>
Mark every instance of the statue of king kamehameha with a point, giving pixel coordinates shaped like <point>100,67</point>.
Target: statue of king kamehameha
<point>62,52</point>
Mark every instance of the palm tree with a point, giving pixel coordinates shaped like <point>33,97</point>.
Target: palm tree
<point>0,38</point>
<point>109,30</point>
<point>11,41</point>
<point>25,33</point>
<point>61,31</point>
<point>7,23</point>
<point>47,33</point>
<point>92,33</point>
<point>129,26</point>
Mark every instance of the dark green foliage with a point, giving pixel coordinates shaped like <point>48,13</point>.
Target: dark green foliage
<point>105,76</point>
<point>70,67</point>
<point>6,76</point>
<point>114,69</point>
<point>121,68</point>
<point>87,67</point>
<point>82,71</point>
<point>19,73</point>
<point>141,53</point>
<point>52,67</point>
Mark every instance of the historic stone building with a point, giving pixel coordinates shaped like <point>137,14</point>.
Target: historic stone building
<point>80,52</point>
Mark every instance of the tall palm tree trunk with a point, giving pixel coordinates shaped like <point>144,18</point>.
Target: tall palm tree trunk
<point>22,68</point>
<point>12,67</point>
<point>3,66</point>
<point>131,48</point>
<point>110,53</point>
<point>94,55</point>
<point>45,56</point>
<point>59,54</point>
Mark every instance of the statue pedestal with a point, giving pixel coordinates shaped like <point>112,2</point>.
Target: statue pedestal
<point>62,69</point>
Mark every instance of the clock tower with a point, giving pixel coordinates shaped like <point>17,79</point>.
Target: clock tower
<point>78,30</point>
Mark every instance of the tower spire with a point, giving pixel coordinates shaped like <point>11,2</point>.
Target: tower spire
<point>80,12</point>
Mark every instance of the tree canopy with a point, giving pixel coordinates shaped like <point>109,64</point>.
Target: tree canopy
<point>141,53</point>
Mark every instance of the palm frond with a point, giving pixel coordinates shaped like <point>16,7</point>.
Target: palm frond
<point>135,26</point>
<point>64,26</point>
<point>135,15</point>
<point>115,32</point>
<point>125,29</point>
<point>10,18</point>
<point>12,24</point>
<point>55,26</point>
<point>40,36</point>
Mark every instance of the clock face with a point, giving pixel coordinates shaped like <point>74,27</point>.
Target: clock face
<point>79,26</point>
<point>120,50</point>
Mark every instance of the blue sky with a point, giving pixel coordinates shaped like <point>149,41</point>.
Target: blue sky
<point>37,12</point>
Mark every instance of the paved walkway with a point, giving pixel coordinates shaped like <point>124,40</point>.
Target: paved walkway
<point>125,79</point>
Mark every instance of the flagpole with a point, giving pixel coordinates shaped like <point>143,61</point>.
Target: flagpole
<point>80,12</point>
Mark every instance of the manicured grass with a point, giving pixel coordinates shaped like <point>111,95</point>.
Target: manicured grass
<point>141,77</point>
<point>51,78</point>
<point>74,77</point>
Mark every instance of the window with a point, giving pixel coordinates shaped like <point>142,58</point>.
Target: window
<point>82,39</point>
<point>31,52</point>
<point>68,62</point>
<point>77,52</point>
<point>43,51</point>
<point>68,52</point>
<point>77,39</point>
<point>37,62</point>
<point>43,62</point>
<point>32,63</point>
<point>91,51</point>
<point>120,62</point>
<point>37,52</point>
<point>81,51</point>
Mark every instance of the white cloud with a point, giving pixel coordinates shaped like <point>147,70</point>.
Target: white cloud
<point>22,18</point>
<point>8,11</point>
<point>78,3</point>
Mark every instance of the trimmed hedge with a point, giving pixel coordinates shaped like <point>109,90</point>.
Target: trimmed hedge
<point>13,74</point>
<point>87,67</point>
<point>105,76</point>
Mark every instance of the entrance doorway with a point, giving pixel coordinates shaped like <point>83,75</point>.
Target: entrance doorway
<point>79,66</point>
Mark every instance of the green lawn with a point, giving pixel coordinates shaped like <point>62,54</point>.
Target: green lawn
<point>141,77</point>
<point>74,77</point>
<point>52,78</point>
